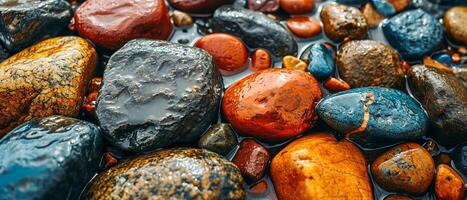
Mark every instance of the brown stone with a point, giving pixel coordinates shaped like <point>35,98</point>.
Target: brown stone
<point>181,18</point>
<point>252,159</point>
<point>334,85</point>
<point>449,185</point>
<point>341,21</point>
<point>261,59</point>
<point>455,23</point>
<point>371,15</point>
<point>297,6</point>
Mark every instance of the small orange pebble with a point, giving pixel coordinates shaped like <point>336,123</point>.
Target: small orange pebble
<point>181,18</point>
<point>455,58</point>
<point>89,104</point>
<point>334,85</point>
<point>96,84</point>
<point>260,60</point>
<point>291,62</point>
<point>304,26</point>
<point>462,50</point>
<point>228,51</point>
<point>449,185</point>
<point>297,6</point>
<point>259,188</point>
<point>110,160</point>
<point>371,15</point>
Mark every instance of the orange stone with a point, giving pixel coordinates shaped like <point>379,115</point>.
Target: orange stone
<point>304,26</point>
<point>259,188</point>
<point>317,166</point>
<point>334,85</point>
<point>397,197</point>
<point>449,185</point>
<point>228,51</point>
<point>297,6</point>
<point>261,59</point>
<point>273,104</point>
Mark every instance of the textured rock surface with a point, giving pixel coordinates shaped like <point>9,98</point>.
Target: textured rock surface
<point>157,93</point>
<point>341,21</point>
<point>267,33</point>
<point>49,158</point>
<point>46,79</point>
<point>252,159</point>
<point>455,23</point>
<point>449,185</point>
<point>311,167</point>
<point>180,173</point>
<point>23,23</point>
<point>364,63</point>
<point>320,59</point>
<point>219,138</point>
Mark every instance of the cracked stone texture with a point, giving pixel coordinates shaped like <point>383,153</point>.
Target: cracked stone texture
<point>156,93</point>
<point>312,166</point>
<point>177,173</point>
<point>49,78</point>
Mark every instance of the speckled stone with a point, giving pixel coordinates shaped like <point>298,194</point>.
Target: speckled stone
<point>455,23</point>
<point>320,59</point>
<point>157,93</point>
<point>374,115</point>
<point>364,63</point>
<point>45,79</point>
<point>180,173</point>
<point>49,158</point>
<point>219,138</point>
<point>341,21</point>
<point>25,22</point>
<point>413,33</point>
<point>267,33</point>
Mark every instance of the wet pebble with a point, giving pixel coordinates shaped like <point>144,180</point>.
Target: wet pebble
<point>455,23</point>
<point>391,7</point>
<point>272,111</point>
<point>413,33</point>
<point>304,26</point>
<point>334,85</point>
<point>341,21</point>
<point>89,104</point>
<point>268,6</point>
<point>320,59</point>
<point>364,63</point>
<point>297,6</point>
<point>371,15</point>
<point>449,185</point>
<point>291,62</point>
<point>157,93</point>
<point>252,159</point>
<point>219,138</point>
<point>261,59</point>
<point>198,6</point>
<point>169,174</point>
<point>49,158</point>
<point>231,57</point>
<point>181,18</point>
<point>406,168</point>
<point>311,167</point>
<point>259,188</point>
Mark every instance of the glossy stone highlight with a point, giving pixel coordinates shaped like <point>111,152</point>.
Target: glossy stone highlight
<point>455,23</point>
<point>219,138</point>
<point>449,185</point>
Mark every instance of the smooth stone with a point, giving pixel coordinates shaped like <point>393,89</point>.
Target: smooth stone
<point>157,93</point>
<point>268,6</point>
<point>364,63</point>
<point>252,159</point>
<point>304,26</point>
<point>460,158</point>
<point>334,85</point>
<point>371,15</point>
<point>297,6</point>
<point>219,138</point>
<point>374,115</point>
<point>444,97</point>
<point>444,58</point>
<point>181,18</point>
<point>198,6</point>
<point>312,166</point>
<point>413,33</point>
<point>260,59</point>
<point>406,168</point>
<point>341,21</point>
<point>177,173</point>
<point>455,23</point>
<point>292,62</point>
<point>320,59</point>
<point>255,29</point>
<point>26,22</point>
<point>449,185</point>
<point>49,158</point>
<point>48,78</point>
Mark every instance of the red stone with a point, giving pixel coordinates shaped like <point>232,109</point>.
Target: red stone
<point>110,160</point>
<point>228,51</point>
<point>263,5</point>
<point>297,6</point>
<point>304,26</point>
<point>198,6</point>
<point>252,159</point>
<point>259,188</point>
<point>334,85</point>
<point>111,23</point>
<point>272,104</point>
<point>261,59</point>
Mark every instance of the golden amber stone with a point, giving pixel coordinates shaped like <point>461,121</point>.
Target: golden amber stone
<point>48,78</point>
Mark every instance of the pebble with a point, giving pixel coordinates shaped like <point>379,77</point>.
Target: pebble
<point>371,15</point>
<point>297,6</point>
<point>455,23</point>
<point>374,115</point>
<point>363,63</point>
<point>198,6</point>
<point>169,174</point>
<point>49,158</point>
<point>111,23</point>
<point>47,78</point>
<point>181,18</point>
<point>460,158</point>
<point>320,59</point>
<point>406,168</point>
<point>89,104</point>
<point>267,6</point>
<point>272,110</point>
<point>304,26</point>
<point>335,85</point>
<point>341,21</point>
<point>317,166</point>
<point>444,98</point>
<point>252,159</point>
<point>449,185</point>
<point>157,93</point>
<point>261,59</point>
<point>259,188</point>
<point>413,33</point>
<point>267,33</point>
<point>397,197</point>
<point>219,138</point>
<point>291,62</point>
<point>391,7</point>
<point>231,57</point>
<point>27,22</point>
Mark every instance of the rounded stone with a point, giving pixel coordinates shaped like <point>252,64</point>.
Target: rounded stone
<point>156,93</point>
<point>363,63</point>
<point>341,21</point>
<point>268,6</point>
<point>304,27</point>
<point>449,185</point>
<point>261,59</point>
<point>320,59</point>
<point>219,138</point>
<point>111,23</point>
<point>297,6</point>
<point>198,6</point>
<point>272,110</point>
<point>455,23</point>
<point>178,173</point>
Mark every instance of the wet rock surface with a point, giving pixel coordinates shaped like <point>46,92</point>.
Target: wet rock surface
<point>198,6</point>
<point>267,34</point>
<point>341,21</point>
<point>455,23</point>
<point>219,138</point>
<point>304,27</point>
<point>297,6</point>
<point>25,22</point>
<point>157,93</point>
<point>180,173</point>
<point>45,79</point>
<point>449,185</point>
<point>311,167</point>
<point>252,159</point>
<point>364,63</point>
<point>444,98</point>
<point>320,59</point>
<point>260,59</point>
<point>49,158</point>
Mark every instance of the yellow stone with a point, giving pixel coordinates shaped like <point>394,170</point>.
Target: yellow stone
<point>291,62</point>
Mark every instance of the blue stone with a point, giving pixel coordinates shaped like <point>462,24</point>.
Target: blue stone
<point>320,59</point>
<point>49,158</point>
<point>384,7</point>
<point>443,58</point>
<point>382,115</point>
<point>413,33</point>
